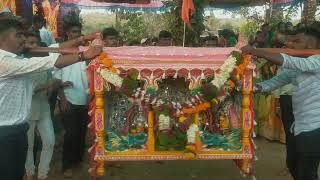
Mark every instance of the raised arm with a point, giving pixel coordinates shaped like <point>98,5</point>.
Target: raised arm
<point>275,58</point>
<point>11,66</point>
<point>310,64</point>
<point>79,41</point>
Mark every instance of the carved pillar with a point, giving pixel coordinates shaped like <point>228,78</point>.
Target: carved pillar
<point>198,139</point>
<point>99,122</point>
<point>150,141</point>
<point>246,116</point>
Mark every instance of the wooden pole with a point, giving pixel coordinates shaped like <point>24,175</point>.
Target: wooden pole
<point>184,34</point>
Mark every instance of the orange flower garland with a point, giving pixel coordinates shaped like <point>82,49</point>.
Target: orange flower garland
<point>197,108</point>
<point>107,62</point>
<point>241,68</point>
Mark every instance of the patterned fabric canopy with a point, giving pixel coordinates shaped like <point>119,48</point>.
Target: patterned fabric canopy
<point>154,5</point>
<point>159,6</point>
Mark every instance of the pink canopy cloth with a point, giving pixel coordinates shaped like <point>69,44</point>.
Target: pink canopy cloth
<point>91,3</point>
<point>155,62</point>
<point>168,57</point>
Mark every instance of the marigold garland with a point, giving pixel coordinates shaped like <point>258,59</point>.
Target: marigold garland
<point>107,62</point>
<point>198,108</point>
<point>242,67</point>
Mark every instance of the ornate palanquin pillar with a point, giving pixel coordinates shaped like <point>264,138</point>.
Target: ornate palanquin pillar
<point>151,140</point>
<point>99,123</point>
<point>247,117</point>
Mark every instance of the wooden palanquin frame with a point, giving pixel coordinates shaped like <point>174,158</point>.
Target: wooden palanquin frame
<point>243,158</point>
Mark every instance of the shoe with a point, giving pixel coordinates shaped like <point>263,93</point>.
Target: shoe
<point>67,173</point>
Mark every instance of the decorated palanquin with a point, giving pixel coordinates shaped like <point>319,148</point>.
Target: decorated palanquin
<point>171,103</point>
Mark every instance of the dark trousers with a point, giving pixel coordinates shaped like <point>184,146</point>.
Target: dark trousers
<point>75,124</point>
<point>303,150</point>
<point>13,151</point>
<point>52,102</point>
<point>308,148</point>
<point>287,119</point>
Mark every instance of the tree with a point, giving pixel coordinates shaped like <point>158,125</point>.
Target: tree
<point>174,24</point>
<point>254,20</point>
<point>132,26</point>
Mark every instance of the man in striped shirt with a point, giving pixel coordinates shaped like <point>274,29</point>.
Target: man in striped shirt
<point>304,75</point>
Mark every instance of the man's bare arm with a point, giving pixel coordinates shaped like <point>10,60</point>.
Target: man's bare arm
<point>275,58</point>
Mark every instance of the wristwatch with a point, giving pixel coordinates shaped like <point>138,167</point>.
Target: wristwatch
<point>81,57</point>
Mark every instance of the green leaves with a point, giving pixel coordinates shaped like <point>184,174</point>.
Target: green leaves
<point>132,26</point>
<point>209,91</point>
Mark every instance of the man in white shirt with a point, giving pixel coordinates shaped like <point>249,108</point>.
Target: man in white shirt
<point>73,103</point>
<point>16,93</point>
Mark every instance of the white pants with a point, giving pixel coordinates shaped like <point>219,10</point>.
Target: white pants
<point>45,128</point>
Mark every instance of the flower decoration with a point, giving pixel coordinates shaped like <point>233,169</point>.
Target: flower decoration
<point>107,62</point>
<point>164,122</point>
<point>221,78</point>
<point>110,77</point>
<point>191,133</point>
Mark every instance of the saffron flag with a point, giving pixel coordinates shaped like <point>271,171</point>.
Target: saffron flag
<point>187,8</point>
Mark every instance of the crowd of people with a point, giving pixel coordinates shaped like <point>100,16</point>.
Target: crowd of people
<point>33,84</point>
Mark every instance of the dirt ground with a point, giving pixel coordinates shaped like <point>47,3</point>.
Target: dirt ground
<point>268,167</point>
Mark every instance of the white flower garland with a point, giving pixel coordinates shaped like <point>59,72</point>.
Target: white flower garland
<point>110,77</point>
<point>227,67</point>
<point>164,122</point>
<point>191,133</point>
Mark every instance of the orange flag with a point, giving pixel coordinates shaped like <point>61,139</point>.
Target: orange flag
<point>187,8</point>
